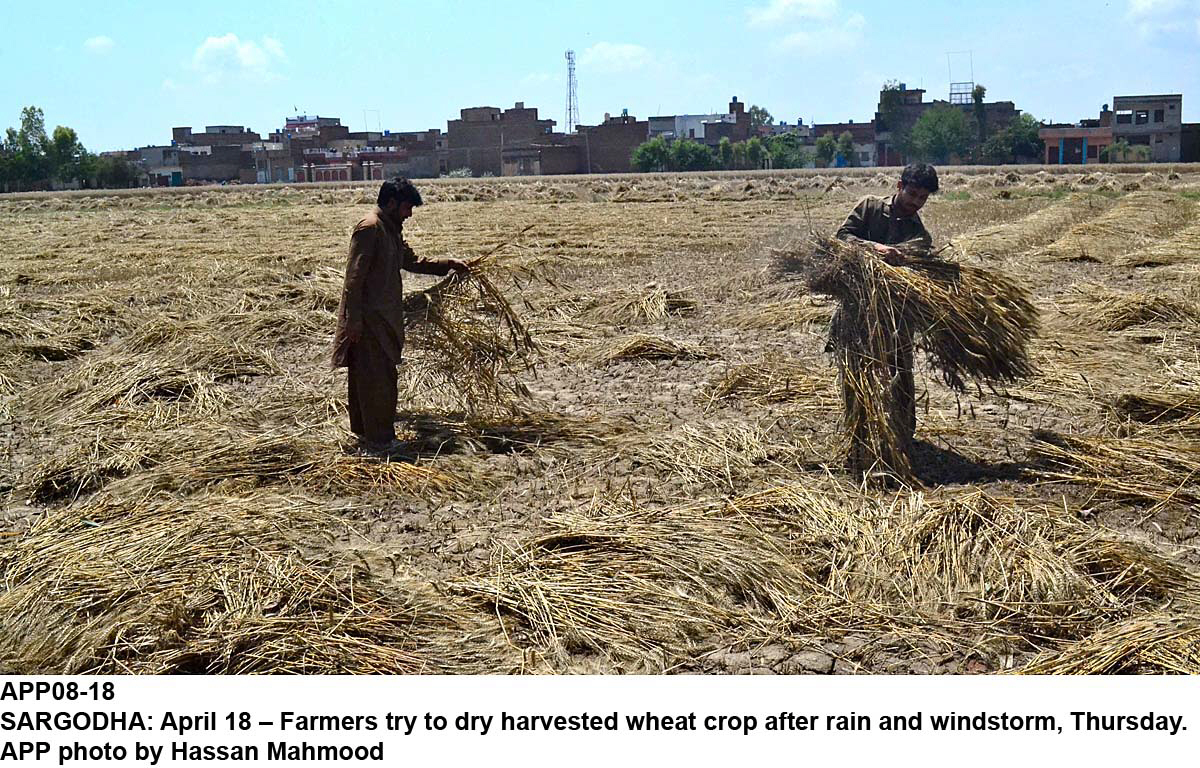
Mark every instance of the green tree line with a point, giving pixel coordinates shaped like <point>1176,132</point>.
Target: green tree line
<point>30,159</point>
<point>785,150</point>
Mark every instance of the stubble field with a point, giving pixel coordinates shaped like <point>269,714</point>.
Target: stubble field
<point>178,495</point>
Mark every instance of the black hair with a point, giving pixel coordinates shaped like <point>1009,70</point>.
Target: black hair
<point>920,175</point>
<point>399,189</point>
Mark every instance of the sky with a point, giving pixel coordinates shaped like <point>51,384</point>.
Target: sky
<point>123,74</point>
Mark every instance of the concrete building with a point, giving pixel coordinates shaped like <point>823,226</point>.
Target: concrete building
<point>158,166</point>
<point>1153,121</point>
<point>706,129</point>
<point>1079,144</point>
<point>215,135</point>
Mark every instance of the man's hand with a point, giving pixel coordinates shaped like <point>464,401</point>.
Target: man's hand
<point>890,254</point>
<point>459,266</point>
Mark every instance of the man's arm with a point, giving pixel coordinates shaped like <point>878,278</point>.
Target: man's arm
<point>855,230</point>
<point>440,267</point>
<point>855,226</point>
<point>362,254</point>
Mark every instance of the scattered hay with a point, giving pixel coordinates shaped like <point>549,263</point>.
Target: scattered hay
<point>643,346</point>
<point>1158,407</point>
<point>782,315</point>
<point>1101,309</point>
<point>1136,221</point>
<point>718,455</point>
<point>358,474</point>
<point>642,586</point>
<point>214,585</point>
<point>1131,469</point>
<point>1154,644</point>
<point>626,307</point>
<point>650,586</point>
<point>772,380</point>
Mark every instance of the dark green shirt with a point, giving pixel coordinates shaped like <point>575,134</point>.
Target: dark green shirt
<point>872,220</point>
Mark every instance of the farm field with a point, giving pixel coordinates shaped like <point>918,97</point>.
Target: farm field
<point>177,493</point>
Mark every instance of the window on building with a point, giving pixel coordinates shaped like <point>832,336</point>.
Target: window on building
<point>1158,139</point>
<point>1093,152</point>
<point>1125,118</point>
<point>1141,117</point>
<point>1160,115</point>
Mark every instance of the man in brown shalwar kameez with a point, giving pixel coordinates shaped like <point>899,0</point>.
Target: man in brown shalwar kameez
<point>885,222</point>
<point>370,330</point>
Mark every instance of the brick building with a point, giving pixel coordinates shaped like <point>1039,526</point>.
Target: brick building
<point>865,146</point>
<point>481,136</point>
<point>900,109</point>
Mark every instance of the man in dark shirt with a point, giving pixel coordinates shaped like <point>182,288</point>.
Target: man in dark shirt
<point>884,223</point>
<point>370,330</point>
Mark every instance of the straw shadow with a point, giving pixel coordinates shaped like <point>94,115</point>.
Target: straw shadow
<point>935,465</point>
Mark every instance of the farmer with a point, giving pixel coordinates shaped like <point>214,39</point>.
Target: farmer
<point>883,223</point>
<point>370,329</point>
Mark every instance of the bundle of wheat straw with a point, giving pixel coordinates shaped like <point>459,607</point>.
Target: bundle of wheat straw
<point>971,323</point>
<point>470,341</point>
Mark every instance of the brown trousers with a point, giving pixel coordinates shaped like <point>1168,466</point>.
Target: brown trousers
<point>372,391</point>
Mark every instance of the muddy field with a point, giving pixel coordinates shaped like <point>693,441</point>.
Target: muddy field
<point>178,495</point>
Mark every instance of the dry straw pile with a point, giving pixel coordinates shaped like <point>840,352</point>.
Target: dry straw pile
<point>648,588</point>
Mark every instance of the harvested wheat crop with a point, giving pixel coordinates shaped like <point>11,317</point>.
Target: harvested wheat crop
<point>643,346</point>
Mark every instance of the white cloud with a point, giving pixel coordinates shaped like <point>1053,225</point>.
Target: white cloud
<point>1159,18</point>
<point>100,44</point>
<point>228,57</point>
<point>779,11</point>
<point>169,85</point>
<point>540,78</point>
<point>613,58</point>
<point>826,38</point>
<point>1151,7</point>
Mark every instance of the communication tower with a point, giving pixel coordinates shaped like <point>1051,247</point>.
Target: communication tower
<point>572,95</point>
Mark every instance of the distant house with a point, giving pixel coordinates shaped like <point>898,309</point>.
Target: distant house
<point>1153,121</point>
<point>481,135</point>
<point>706,129</point>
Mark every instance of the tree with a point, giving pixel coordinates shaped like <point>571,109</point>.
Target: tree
<point>826,148</point>
<point>759,117</point>
<point>977,95</point>
<point>725,153</point>
<point>787,151</point>
<point>1016,141</point>
<point>687,155</point>
<point>739,155</point>
<point>66,156</point>
<point>891,99</point>
<point>653,155</point>
<point>112,172</point>
<point>845,147</point>
<point>755,152</point>
<point>940,133</point>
